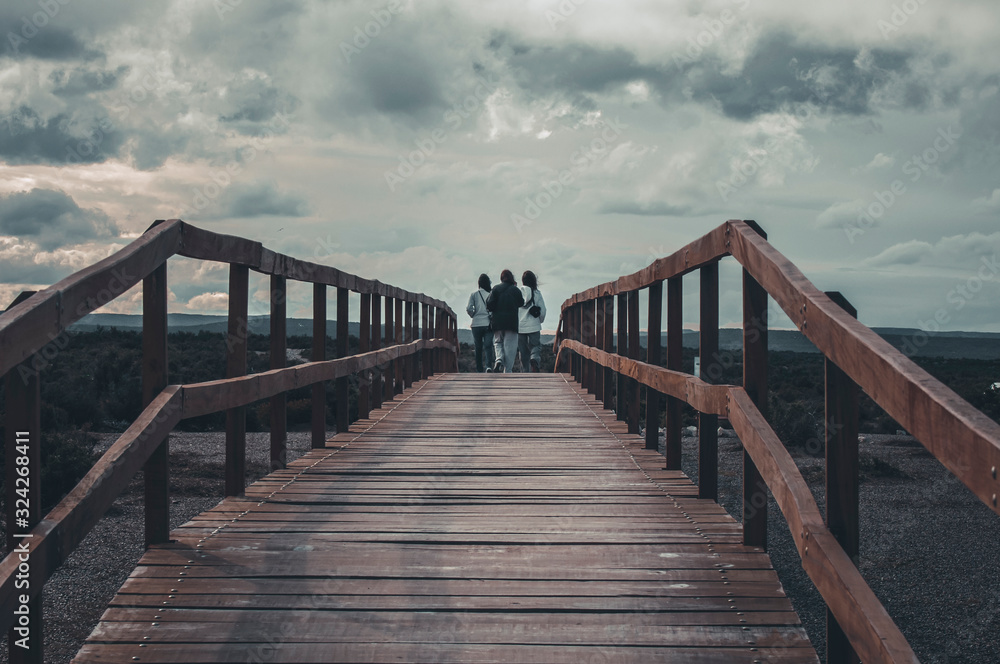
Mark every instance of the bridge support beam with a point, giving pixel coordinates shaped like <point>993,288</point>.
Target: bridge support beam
<point>654,327</point>
<point>841,436</point>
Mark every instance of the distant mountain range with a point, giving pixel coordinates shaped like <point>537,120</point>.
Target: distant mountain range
<point>969,345</point>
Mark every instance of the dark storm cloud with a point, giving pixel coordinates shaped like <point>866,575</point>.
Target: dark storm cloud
<point>51,219</point>
<point>779,74</point>
<point>50,42</point>
<point>81,81</point>
<point>29,139</point>
<point>253,103</point>
<point>265,199</point>
<point>397,79</point>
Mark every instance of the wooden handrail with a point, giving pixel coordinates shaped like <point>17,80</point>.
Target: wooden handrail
<point>869,627</point>
<point>35,321</point>
<point>55,537</point>
<point>963,439</point>
<point>28,326</point>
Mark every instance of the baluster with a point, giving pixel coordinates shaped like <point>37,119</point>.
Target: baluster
<point>755,383</point>
<point>154,379</point>
<point>403,362</point>
<point>841,436</point>
<point>342,386</point>
<point>711,372</point>
<point>621,393</point>
<point>654,326</point>
<point>279,402</point>
<point>236,366</point>
<point>390,340</point>
<point>364,344</point>
<point>675,339</point>
<point>319,355</point>
<point>631,385</point>
<point>376,335</point>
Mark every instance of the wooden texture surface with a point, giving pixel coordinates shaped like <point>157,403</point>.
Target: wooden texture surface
<point>476,518</point>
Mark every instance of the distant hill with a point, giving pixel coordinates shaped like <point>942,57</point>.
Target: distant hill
<point>956,345</point>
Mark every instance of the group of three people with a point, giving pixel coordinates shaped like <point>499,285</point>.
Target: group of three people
<point>514,314</point>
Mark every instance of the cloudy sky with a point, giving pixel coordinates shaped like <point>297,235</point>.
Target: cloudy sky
<point>421,143</point>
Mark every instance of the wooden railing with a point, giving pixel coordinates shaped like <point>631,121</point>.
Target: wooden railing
<point>964,440</point>
<point>420,339</point>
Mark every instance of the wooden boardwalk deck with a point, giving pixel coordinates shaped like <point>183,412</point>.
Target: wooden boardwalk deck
<point>477,518</point>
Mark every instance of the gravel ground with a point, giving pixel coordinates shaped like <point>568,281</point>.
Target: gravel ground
<point>928,546</point>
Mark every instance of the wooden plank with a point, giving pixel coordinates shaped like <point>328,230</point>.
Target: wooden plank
<point>425,528</point>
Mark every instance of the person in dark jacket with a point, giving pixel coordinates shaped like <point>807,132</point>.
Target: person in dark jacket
<point>504,301</point>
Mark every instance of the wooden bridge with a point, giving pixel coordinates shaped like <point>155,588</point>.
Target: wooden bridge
<point>474,518</point>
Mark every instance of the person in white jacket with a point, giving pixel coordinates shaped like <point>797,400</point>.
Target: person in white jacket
<point>481,322</point>
<point>529,323</point>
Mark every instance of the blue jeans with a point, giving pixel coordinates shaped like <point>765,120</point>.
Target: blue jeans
<point>530,345</point>
<point>479,335</point>
<point>505,346</point>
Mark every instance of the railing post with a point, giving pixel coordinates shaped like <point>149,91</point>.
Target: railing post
<point>376,345</point>
<point>390,340</point>
<point>415,323</point>
<point>755,383</point>
<point>597,369</point>
<point>675,340</point>
<point>279,345</point>
<point>621,401</point>
<point>236,366</point>
<point>364,343</point>
<point>841,436</point>
<point>579,363</point>
<point>154,379</point>
<point>408,363</point>
<point>23,428</point>
<point>711,372</point>
<point>319,355</point>
<point>654,332</point>
<point>609,345</point>
<point>403,363</point>
<point>343,350</point>
<point>590,338</point>
<point>631,385</point>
